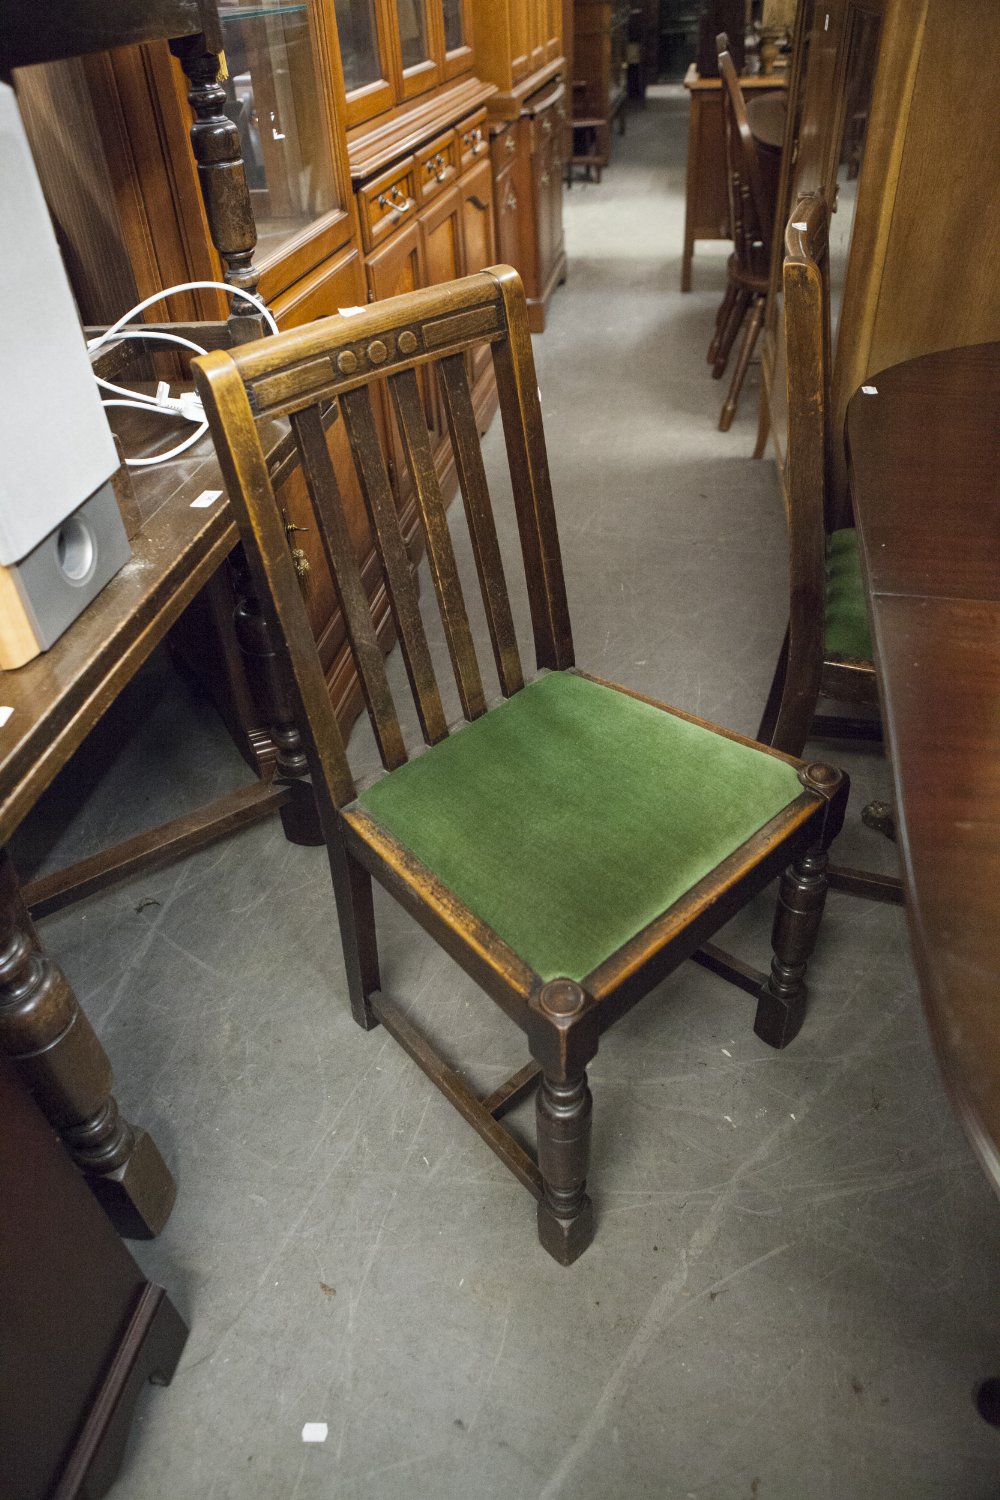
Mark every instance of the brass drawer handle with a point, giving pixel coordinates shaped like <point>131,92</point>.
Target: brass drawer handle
<point>437,167</point>
<point>511,203</point>
<point>545,179</point>
<point>546,126</point>
<point>473,140</point>
<point>510,144</point>
<point>395,199</point>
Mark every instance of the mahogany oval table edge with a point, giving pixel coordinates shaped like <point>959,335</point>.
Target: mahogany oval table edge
<point>923,456</point>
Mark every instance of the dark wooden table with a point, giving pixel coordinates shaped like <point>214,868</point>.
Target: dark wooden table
<point>51,705</point>
<point>924,453</point>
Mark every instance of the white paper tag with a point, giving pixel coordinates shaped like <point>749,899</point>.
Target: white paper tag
<point>205,499</point>
<point>315,1432</point>
<point>799,224</point>
<point>350,312</point>
<point>5,714</point>
<point>869,390</point>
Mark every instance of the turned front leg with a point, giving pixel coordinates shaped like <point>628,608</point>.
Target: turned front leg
<point>781,1008</point>
<point>49,1040</point>
<point>563,1112</point>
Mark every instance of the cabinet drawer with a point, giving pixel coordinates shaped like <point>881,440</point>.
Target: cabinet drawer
<point>437,166</point>
<point>473,139</point>
<point>387,201</point>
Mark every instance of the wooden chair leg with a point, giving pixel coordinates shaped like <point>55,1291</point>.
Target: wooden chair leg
<point>781,1008</point>
<point>721,319</point>
<point>563,1109</point>
<point>356,913</point>
<point>742,364</point>
<point>736,315</point>
<point>763,424</point>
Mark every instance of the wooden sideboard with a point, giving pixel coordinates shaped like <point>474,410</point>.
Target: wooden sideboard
<point>520,50</point>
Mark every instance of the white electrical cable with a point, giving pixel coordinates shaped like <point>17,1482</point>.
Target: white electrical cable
<point>186,407</point>
<point>159,458</point>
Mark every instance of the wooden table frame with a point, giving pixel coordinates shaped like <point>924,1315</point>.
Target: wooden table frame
<point>924,455</point>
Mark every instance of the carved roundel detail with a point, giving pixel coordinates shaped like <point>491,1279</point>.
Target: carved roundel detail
<point>347,362</point>
<point>377,352</point>
<point>407,341</point>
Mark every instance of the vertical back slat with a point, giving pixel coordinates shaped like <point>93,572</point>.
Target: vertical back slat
<point>529,472</point>
<point>245,472</point>
<point>482,527</point>
<point>328,507</point>
<point>359,420</point>
<point>440,552</point>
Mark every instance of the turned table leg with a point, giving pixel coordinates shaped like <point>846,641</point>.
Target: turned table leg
<point>49,1040</point>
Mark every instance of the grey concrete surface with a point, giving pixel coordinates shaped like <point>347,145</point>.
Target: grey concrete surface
<point>793,1289</point>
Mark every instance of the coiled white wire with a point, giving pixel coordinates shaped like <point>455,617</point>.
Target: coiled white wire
<point>168,406</point>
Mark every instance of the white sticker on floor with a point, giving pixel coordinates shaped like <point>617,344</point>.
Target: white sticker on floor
<point>315,1432</point>
<point>869,390</point>
<point>205,499</point>
<point>5,714</point>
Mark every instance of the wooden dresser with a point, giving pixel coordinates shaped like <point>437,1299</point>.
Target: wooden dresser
<point>519,48</point>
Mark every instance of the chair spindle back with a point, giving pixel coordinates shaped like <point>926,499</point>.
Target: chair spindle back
<point>749,207</point>
<point>339,359</point>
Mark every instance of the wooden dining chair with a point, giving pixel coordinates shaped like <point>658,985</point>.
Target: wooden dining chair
<point>568,842</point>
<point>827,650</point>
<point>751,217</point>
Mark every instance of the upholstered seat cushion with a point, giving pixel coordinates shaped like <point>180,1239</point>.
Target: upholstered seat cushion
<point>570,816</point>
<point>846,625</point>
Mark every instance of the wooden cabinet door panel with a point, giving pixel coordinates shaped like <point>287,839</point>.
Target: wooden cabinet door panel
<point>478,240</point>
<point>478,243</point>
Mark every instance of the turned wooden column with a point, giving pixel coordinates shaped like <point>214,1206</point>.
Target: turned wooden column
<point>215,142</point>
<point>269,688</point>
<point>781,1007</point>
<point>562,1044</point>
<point>50,1042</point>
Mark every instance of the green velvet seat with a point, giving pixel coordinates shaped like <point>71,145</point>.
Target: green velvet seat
<point>572,815</point>
<point>846,620</point>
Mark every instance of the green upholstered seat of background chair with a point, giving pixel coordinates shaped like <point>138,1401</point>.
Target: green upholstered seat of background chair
<point>827,650</point>
<point>569,843</point>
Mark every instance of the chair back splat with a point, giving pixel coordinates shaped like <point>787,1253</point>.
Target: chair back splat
<point>335,360</point>
<point>570,845</point>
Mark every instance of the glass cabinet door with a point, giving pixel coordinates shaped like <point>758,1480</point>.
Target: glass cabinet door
<point>275,97</point>
<point>419,49</point>
<point>359,49</point>
<point>456,36</point>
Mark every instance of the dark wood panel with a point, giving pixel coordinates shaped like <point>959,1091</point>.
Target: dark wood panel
<point>922,455</point>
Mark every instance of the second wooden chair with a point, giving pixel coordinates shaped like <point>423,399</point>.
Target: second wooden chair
<point>827,650</point>
<point>751,217</point>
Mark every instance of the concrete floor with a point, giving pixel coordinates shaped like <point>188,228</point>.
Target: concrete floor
<point>793,1289</point>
